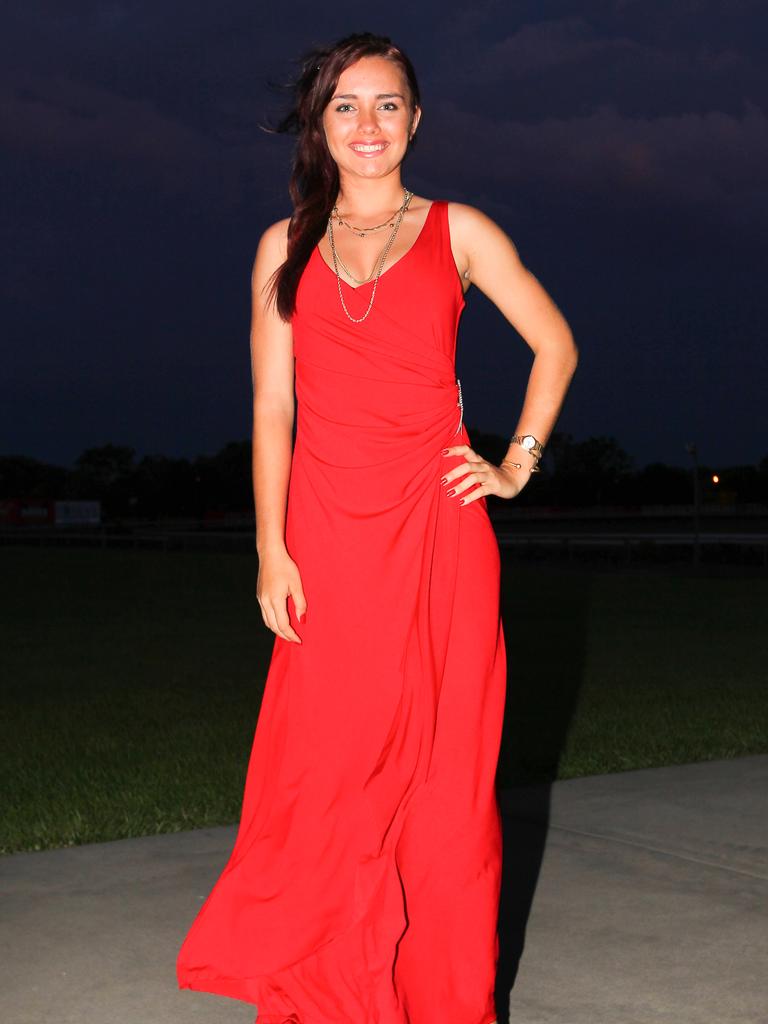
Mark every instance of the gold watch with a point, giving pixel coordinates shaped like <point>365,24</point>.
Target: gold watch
<point>532,446</point>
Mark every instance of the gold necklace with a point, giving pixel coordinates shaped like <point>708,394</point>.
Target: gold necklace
<point>401,212</point>
<point>385,252</point>
<point>348,272</point>
<point>363,232</point>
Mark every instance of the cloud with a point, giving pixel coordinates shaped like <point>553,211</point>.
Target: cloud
<point>682,158</point>
<point>74,123</point>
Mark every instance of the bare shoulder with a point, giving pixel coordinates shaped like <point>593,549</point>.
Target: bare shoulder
<point>277,233</point>
<point>471,229</point>
<point>270,255</point>
<point>272,248</point>
<point>481,248</point>
<point>493,264</point>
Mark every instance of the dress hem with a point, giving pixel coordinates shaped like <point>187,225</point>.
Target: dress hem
<point>218,986</point>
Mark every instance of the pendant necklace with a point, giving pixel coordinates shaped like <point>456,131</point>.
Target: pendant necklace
<point>337,260</point>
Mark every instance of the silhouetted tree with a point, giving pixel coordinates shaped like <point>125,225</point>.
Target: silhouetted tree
<point>164,487</point>
<point>225,478</point>
<point>573,473</point>
<point>105,473</point>
<point>589,472</point>
<point>660,484</point>
<point>24,477</point>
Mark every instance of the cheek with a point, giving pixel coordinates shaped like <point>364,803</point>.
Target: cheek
<point>333,134</point>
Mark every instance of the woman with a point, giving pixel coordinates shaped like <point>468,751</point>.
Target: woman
<point>363,886</point>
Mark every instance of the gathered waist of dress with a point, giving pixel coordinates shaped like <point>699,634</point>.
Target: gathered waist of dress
<point>372,400</point>
<point>374,421</point>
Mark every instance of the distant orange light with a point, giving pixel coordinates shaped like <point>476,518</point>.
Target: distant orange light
<point>715,479</point>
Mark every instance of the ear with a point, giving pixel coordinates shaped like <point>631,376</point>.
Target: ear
<point>415,122</point>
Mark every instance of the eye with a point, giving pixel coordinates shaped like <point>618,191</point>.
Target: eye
<point>341,108</point>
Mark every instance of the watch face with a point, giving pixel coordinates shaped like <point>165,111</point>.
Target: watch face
<point>528,441</point>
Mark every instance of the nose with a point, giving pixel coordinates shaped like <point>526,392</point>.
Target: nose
<point>368,122</point>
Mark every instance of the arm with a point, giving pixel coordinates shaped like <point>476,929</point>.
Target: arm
<point>489,259</point>
<point>271,343</point>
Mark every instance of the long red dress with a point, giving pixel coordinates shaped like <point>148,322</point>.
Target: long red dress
<point>364,882</point>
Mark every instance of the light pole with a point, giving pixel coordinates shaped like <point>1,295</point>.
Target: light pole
<point>691,449</point>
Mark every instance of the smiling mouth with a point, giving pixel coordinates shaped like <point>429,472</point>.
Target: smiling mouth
<point>377,147</point>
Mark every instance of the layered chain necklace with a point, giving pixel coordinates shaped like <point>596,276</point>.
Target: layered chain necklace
<point>394,223</point>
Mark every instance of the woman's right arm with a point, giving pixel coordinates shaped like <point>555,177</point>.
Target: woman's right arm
<point>273,414</point>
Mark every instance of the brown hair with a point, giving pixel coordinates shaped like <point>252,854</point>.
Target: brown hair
<point>314,182</point>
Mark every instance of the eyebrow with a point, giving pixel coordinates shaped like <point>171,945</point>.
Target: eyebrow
<point>380,96</point>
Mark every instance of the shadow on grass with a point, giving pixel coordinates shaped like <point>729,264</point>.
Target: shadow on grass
<point>545,630</point>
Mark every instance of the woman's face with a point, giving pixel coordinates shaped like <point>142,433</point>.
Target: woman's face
<point>368,120</point>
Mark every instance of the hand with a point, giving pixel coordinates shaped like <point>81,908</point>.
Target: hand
<point>278,577</point>
<point>505,480</point>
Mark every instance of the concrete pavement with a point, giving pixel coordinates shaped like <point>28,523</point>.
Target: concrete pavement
<point>652,900</point>
<point>627,899</point>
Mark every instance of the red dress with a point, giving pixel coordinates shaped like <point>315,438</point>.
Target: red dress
<point>364,882</point>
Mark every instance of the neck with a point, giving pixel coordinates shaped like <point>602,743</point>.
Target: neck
<point>367,200</point>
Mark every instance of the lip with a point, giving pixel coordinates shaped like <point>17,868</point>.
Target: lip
<point>376,152</point>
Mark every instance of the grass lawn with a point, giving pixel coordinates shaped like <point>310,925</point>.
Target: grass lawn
<point>132,680</point>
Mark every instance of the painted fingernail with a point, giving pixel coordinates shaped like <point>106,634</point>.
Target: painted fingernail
<point>461,501</point>
<point>445,451</point>
<point>452,491</point>
<point>444,480</point>
<point>302,617</point>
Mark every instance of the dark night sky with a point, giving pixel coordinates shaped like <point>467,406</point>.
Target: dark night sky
<point>623,146</point>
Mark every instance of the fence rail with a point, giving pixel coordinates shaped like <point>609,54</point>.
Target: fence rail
<point>567,543</point>
<point>629,543</point>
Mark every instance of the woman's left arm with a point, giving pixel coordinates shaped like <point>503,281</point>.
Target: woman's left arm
<point>490,260</point>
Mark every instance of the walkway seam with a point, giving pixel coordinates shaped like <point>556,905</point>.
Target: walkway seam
<point>658,849</point>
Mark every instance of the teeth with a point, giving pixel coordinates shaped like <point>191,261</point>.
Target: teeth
<point>368,149</point>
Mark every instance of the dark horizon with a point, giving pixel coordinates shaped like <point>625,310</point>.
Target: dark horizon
<point>759,464</point>
<point>624,149</point>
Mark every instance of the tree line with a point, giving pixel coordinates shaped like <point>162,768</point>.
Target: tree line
<point>595,471</point>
